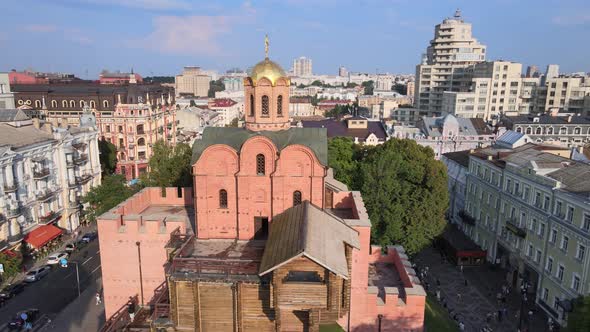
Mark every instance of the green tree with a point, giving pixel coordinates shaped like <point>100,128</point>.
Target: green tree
<point>112,191</point>
<point>215,86</point>
<point>400,88</point>
<point>233,123</point>
<point>351,85</point>
<point>405,191</point>
<point>338,111</point>
<point>11,265</point>
<point>108,156</point>
<point>369,86</point>
<point>317,83</point>
<point>159,79</point>
<point>341,153</point>
<point>579,318</point>
<point>192,103</point>
<point>169,166</point>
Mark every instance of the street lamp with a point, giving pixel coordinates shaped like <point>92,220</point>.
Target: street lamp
<point>138,244</point>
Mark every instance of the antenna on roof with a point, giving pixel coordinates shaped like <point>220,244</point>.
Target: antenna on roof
<point>457,13</point>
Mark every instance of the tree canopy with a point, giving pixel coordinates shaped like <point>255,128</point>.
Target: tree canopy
<point>404,189</point>
<point>112,191</point>
<point>159,79</point>
<point>215,86</point>
<point>579,318</point>
<point>369,87</point>
<point>108,156</point>
<point>11,265</point>
<point>339,111</point>
<point>169,166</point>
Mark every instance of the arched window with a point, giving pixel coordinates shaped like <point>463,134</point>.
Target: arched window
<point>260,164</point>
<point>72,104</point>
<point>82,103</point>
<point>141,141</point>
<point>265,106</point>
<point>296,198</point>
<point>37,104</point>
<point>529,130</point>
<point>538,131</point>
<point>550,131</point>
<point>223,199</point>
<point>251,105</point>
<point>54,103</point>
<point>92,104</point>
<point>64,103</point>
<point>105,103</point>
<point>519,130</point>
<point>280,105</point>
<point>140,129</point>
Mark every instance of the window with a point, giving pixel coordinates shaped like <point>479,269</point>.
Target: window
<point>64,103</point>
<point>265,106</point>
<point>303,276</point>
<point>223,199</point>
<point>280,105</point>
<point>545,295</point>
<point>251,105</point>
<point>529,251</point>
<point>586,222</point>
<point>72,104</point>
<point>558,208</point>
<point>556,303</point>
<point>108,129</point>
<point>260,164</point>
<point>564,242</point>
<point>581,252</point>
<point>140,129</point>
<point>37,104</point>
<point>533,225</point>
<point>141,141</point>
<point>549,266</point>
<point>538,199</point>
<point>54,103</point>
<point>546,203</point>
<point>120,129</point>
<point>105,103</point>
<point>296,198</point>
<point>92,104</point>
<point>538,256</point>
<point>576,283</point>
<point>541,230</point>
<point>553,236</point>
<point>560,272</point>
<point>570,213</point>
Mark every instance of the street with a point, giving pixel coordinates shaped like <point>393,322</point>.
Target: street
<point>53,293</point>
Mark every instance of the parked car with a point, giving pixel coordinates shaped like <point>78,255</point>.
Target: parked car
<point>88,237</point>
<point>11,290</point>
<point>37,274</point>
<point>17,322</point>
<point>55,258</point>
<point>70,248</point>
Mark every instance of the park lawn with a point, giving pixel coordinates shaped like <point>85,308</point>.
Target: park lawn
<point>437,319</point>
<point>331,328</point>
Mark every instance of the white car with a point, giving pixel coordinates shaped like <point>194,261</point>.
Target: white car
<point>55,258</point>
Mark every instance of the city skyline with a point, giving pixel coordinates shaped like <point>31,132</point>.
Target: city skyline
<point>387,36</point>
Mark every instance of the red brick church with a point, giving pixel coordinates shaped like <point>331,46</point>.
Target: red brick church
<point>266,240</point>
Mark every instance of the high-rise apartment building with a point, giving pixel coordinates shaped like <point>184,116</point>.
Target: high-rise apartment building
<point>342,71</point>
<point>193,81</point>
<point>552,71</point>
<point>532,71</point>
<point>302,67</point>
<point>451,51</point>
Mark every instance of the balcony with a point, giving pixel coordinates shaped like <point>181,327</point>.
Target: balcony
<point>49,218</point>
<point>80,180</point>
<point>46,195</point>
<point>512,226</point>
<point>79,146</point>
<point>13,212</point>
<point>467,218</point>
<point>14,239</point>
<point>41,174</point>
<point>80,159</point>
<point>9,189</point>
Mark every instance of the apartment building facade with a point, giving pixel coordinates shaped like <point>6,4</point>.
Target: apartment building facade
<point>529,209</point>
<point>566,130</point>
<point>452,50</point>
<point>302,67</point>
<point>193,81</point>
<point>44,172</point>
<point>134,129</point>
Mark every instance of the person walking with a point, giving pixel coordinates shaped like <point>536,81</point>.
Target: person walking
<point>98,299</point>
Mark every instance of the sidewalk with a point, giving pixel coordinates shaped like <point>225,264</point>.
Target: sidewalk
<point>82,314</point>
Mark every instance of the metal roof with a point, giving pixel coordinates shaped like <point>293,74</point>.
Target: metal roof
<point>314,138</point>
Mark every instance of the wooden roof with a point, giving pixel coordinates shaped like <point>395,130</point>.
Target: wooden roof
<point>306,230</point>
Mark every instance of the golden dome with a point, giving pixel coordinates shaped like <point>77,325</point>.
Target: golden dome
<point>268,69</point>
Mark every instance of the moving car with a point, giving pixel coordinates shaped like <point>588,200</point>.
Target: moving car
<point>70,248</point>
<point>55,258</point>
<point>89,237</point>
<point>11,290</point>
<point>17,322</point>
<point>37,274</point>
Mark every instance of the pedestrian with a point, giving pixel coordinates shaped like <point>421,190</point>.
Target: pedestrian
<point>131,311</point>
<point>98,300</point>
<point>438,295</point>
<point>437,282</point>
<point>459,297</point>
<point>461,267</point>
<point>461,326</point>
<point>465,280</point>
<point>499,315</point>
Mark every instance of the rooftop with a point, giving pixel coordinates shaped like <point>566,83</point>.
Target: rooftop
<point>548,119</point>
<point>382,275</point>
<point>460,157</point>
<point>338,128</point>
<point>223,102</point>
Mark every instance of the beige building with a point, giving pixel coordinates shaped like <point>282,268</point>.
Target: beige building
<point>452,50</point>
<point>302,67</point>
<point>192,81</point>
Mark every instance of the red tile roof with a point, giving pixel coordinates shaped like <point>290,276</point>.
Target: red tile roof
<point>223,102</point>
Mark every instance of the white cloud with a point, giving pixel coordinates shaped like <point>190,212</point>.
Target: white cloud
<point>41,28</point>
<point>577,19</point>
<point>190,35</point>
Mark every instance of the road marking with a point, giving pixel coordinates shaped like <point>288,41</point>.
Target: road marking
<point>86,261</point>
<point>98,267</point>
<point>97,251</point>
<point>69,274</point>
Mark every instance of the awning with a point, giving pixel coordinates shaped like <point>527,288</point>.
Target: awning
<point>41,235</point>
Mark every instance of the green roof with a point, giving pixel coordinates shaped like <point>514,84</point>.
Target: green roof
<point>314,138</point>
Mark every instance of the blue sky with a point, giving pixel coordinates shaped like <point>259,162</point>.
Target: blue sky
<point>159,37</point>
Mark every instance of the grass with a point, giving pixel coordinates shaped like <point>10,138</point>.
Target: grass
<point>331,328</point>
<point>436,318</point>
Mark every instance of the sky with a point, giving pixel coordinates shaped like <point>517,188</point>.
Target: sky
<point>159,37</point>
